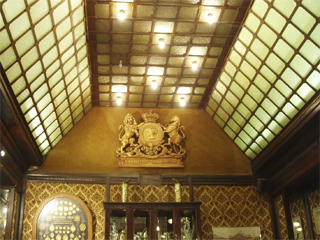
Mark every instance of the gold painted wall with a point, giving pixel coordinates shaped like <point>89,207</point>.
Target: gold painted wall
<point>221,205</point>
<point>91,145</point>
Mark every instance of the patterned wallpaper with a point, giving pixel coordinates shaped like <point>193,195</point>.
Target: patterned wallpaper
<point>296,210</point>
<point>282,217</point>
<point>92,194</point>
<point>233,206</point>
<point>221,205</point>
<point>148,193</point>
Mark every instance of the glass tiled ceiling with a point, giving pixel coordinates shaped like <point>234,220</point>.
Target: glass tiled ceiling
<point>62,57</point>
<point>127,59</point>
<point>43,51</point>
<point>272,71</point>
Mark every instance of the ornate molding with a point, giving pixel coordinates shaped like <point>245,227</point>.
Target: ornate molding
<point>150,144</point>
<point>142,179</point>
<point>72,178</point>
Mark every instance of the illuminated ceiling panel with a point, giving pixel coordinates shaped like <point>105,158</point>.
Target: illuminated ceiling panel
<point>272,71</point>
<point>43,51</point>
<point>63,57</point>
<point>178,47</point>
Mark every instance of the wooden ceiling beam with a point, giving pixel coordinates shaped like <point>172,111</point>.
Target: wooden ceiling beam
<point>16,137</point>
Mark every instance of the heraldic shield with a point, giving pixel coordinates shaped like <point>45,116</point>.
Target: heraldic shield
<point>150,144</point>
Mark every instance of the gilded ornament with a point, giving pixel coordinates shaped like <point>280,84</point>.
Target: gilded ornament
<point>125,190</point>
<point>150,144</point>
<point>82,227</point>
<point>77,218</point>
<point>73,228</point>
<point>177,190</point>
<point>51,228</point>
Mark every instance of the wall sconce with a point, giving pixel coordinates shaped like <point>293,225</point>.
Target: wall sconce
<point>119,100</point>
<point>122,15</point>
<point>182,101</point>
<point>154,84</point>
<point>210,18</point>
<point>194,65</point>
<point>161,42</point>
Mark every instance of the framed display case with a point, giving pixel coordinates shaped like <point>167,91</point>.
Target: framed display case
<point>144,221</point>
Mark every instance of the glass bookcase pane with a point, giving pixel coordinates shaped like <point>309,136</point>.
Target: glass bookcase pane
<point>3,211</point>
<point>165,224</point>
<point>188,224</point>
<point>118,224</point>
<point>141,224</point>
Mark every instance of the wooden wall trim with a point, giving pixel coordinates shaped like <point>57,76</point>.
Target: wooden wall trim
<point>306,208</point>
<point>274,218</point>
<point>163,179</point>
<point>12,117</point>
<point>10,214</point>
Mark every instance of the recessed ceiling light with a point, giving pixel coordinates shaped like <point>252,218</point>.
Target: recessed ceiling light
<point>122,15</point>
<point>2,153</point>
<point>119,100</point>
<point>210,18</point>
<point>161,42</point>
<point>194,65</point>
<point>182,102</point>
<point>154,84</point>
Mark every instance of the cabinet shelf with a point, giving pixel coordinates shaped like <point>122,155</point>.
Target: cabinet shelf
<point>152,221</point>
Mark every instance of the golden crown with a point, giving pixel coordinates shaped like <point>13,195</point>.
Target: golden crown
<point>150,117</point>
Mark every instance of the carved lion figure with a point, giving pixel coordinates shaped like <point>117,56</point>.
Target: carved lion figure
<point>175,132</point>
<point>127,131</point>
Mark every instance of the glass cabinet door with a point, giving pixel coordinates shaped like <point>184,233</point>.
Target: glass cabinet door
<point>4,200</point>
<point>141,224</point>
<point>165,225</point>
<point>118,225</point>
<point>188,224</point>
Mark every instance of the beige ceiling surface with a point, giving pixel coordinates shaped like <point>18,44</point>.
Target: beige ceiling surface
<point>252,75</point>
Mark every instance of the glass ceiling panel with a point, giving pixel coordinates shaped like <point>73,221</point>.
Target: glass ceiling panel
<point>270,91</point>
<point>45,57</point>
<point>187,40</point>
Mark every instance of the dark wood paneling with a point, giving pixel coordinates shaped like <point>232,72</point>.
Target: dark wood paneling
<point>136,179</point>
<point>302,132</point>
<point>14,121</point>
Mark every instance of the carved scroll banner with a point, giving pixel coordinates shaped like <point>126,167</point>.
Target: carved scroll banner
<point>150,144</point>
<point>62,217</point>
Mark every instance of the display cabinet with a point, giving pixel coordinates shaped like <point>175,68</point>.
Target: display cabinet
<point>149,221</point>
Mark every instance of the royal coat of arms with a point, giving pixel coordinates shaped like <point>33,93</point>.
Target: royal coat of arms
<point>150,144</point>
